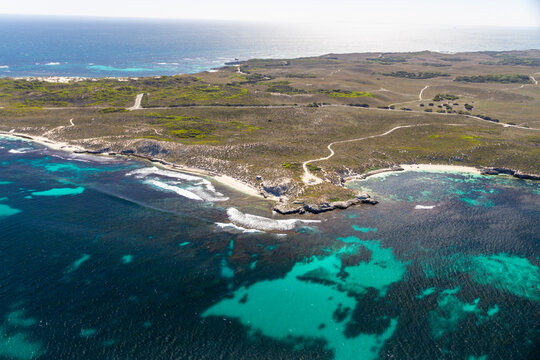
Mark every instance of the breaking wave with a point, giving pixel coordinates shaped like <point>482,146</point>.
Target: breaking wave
<point>236,227</point>
<point>261,223</point>
<point>194,187</point>
<point>21,150</point>
<point>424,207</point>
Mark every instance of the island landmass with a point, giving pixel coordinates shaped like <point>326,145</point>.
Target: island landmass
<point>296,131</point>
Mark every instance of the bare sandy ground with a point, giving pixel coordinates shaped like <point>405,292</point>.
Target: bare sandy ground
<point>441,168</point>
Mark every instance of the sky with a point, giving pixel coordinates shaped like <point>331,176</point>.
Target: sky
<point>314,12</point>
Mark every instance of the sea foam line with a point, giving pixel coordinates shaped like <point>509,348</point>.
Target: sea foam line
<point>424,207</point>
<point>208,193</point>
<point>262,223</point>
<point>236,227</point>
<point>179,191</point>
<point>141,173</point>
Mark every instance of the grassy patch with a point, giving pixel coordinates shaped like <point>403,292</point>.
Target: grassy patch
<point>283,87</point>
<point>312,167</point>
<point>109,110</point>
<point>346,93</point>
<point>412,75</point>
<point>497,78</point>
<point>441,97</point>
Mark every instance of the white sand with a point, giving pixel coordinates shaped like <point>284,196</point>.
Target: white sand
<point>55,145</point>
<point>441,168</point>
<point>222,179</point>
<point>238,185</point>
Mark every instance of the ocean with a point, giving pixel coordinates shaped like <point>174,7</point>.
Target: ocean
<point>111,258</point>
<point>99,47</point>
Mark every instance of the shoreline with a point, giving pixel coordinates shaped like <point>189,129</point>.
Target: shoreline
<point>444,168</point>
<point>416,167</point>
<point>222,179</point>
<point>248,189</point>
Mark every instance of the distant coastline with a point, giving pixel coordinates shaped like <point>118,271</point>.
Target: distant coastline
<point>115,47</point>
<point>279,129</point>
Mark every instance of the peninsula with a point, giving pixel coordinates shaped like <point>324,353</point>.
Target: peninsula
<point>295,130</point>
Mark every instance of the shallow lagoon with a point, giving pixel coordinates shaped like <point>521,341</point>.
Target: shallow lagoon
<point>110,266</point>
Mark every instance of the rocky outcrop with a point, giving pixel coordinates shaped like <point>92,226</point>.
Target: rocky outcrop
<point>496,171</point>
<point>277,189</point>
<point>515,173</point>
<point>151,148</point>
<point>525,176</point>
<point>285,209</point>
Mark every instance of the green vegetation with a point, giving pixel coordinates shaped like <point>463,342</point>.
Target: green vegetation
<point>453,59</point>
<point>83,93</point>
<point>441,97</point>
<point>193,127</point>
<point>283,87</point>
<point>435,64</point>
<point>360,105</point>
<point>255,78</point>
<point>301,76</point>
<point>387,60</point>
<point>345,93</point>
<point>196,93</point>
<point>288,165</point>
<point>234,124</point>
<point>109,110</point>
<point>313,167</point>
<point>419,75</point>
<point>510,60</point>
<point>499,78</point>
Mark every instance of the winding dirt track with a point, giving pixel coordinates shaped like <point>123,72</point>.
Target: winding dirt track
<point>311,179</point>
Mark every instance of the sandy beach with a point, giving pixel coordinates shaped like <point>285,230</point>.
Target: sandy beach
<point>441,168</point>
<point>221,179</point>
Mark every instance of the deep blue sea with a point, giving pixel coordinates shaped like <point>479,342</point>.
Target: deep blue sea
<point>94,47</point>
<point>109,258</point>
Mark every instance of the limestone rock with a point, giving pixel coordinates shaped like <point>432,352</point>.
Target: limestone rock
<point>277,189</point>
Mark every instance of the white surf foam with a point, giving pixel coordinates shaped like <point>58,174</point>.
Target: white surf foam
<point>201,188</point>
<point>424,207</point>
<point>52,63</point>
<point>182,192</point>
<point>4,67</point>
<point>144,172</point>
<point>261,223</point>
<point>20,151</point>
<point>236,227</point>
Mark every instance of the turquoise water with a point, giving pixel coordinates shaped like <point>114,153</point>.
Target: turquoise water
<point>107,258</point>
